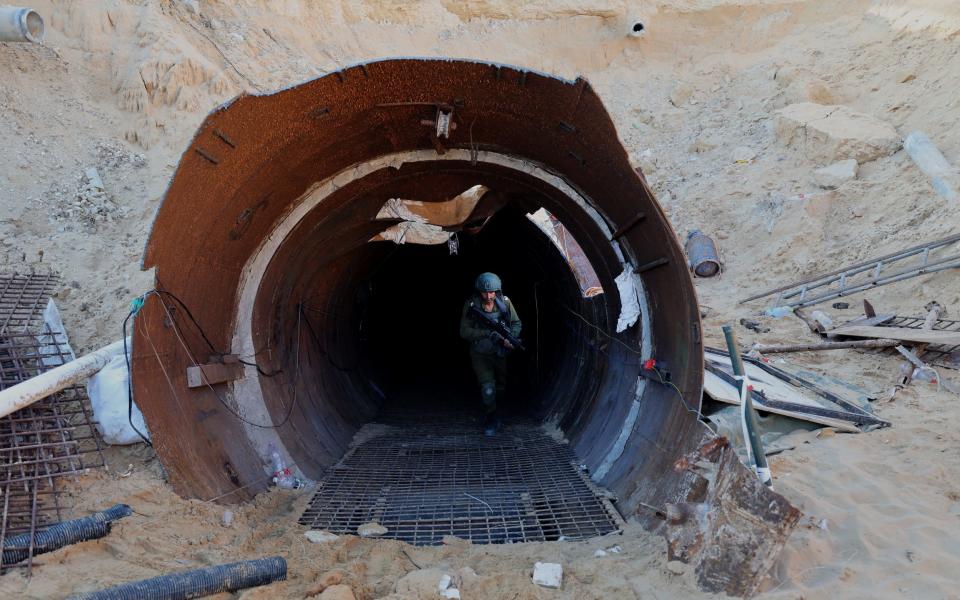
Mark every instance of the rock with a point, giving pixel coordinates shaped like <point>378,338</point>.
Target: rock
<point>827,133</point>
<point>676,567</point>
<point>451,593</point>
<point>320,537</point>
<point>802,85</point>
<point>372,529</point>
<point>837,174</point>
<point>702,144</point>
<point>327,580</point>
<point>444,582</point>
<point>599,552</point>
<point>548,574</point>
<point>743,154</point>
<point>423,583</point>
<point>680,94</point>
<point>338,592</point>
<point>227,519</point>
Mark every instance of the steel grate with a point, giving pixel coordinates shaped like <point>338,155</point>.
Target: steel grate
<point>23,298</point>
<point>48,439</point>
<point>425,480</point>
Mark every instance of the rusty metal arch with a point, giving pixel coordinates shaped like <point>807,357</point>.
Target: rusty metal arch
<point>255,160</point>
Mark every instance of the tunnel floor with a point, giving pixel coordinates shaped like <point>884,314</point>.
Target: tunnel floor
<point>425,475</point>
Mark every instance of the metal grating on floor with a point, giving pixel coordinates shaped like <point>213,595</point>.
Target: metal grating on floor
<point>424,480</point>
<point>49,439</point>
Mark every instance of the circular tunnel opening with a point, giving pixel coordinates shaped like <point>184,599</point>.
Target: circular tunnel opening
<point>364,320</point>
<point>272,232</point>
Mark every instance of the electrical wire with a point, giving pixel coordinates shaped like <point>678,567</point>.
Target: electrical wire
<point>323,351</point>
<point>604,333</point>
<point>203,334</point>
<point>126,357</point>
<point>294,384</point>
<point>633,350</point>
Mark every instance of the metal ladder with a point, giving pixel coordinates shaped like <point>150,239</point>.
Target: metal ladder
<point>865,275</point>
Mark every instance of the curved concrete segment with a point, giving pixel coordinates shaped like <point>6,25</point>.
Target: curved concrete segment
<point>263,243</point>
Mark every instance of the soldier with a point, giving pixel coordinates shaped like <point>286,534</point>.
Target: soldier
<point>488,349</point>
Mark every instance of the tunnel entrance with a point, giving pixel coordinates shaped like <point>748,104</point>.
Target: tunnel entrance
<point>411,309</point>
<point>278,232</point>
<point>265,232</point>
<point>423,467</point>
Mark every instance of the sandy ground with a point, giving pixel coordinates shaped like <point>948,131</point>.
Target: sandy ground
<point>121,86</point>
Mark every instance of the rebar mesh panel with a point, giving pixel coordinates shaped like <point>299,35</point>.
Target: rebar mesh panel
<point>23,298</point>
<point>423,481</point>
<point>50,438</point>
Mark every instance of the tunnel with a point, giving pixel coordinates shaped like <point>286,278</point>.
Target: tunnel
<point>313,252</point>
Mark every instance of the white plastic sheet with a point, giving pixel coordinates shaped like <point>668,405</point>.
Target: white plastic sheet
<point>108,397</point>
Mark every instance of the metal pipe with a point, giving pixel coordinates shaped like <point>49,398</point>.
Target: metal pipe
<point>19,24</point>
<point>36,388</point>
<point>751,437</point>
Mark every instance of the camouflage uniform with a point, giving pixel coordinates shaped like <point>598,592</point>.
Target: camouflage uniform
<point>489,357</point>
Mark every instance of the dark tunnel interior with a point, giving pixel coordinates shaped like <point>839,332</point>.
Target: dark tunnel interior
<point>411,308</point>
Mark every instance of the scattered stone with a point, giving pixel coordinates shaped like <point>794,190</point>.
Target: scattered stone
<point>802,85</point>
<point>702,144</point>
<point>423,583</point>
<point>835,175</point>
<point>599,552</point>
<point>327,580</point>
<point>338,592</point>
<point>444,582</point>
<point>320,537</point>
<point>548,574</point>
<point>680,94</point>
<point>828,133</point>
<point>451,593</point>
<point>744,154</point>
<point>372,529</point>
<point>227,519</point>
<point>614,549</point>
<point>676,567</point>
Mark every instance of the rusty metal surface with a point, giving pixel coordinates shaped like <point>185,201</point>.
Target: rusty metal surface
<point>732,528</point>
<point>225,199</point>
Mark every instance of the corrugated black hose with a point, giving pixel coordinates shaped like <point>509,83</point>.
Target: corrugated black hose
<point>197,583</point>
<point>17,548</point>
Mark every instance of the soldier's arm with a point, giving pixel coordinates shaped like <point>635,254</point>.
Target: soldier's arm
<point>468,330</point>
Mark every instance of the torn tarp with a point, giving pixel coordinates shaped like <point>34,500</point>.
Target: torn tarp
<point>629,302</point>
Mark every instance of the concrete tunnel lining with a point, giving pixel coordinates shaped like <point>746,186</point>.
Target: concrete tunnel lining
<point>247,392</point>
<point>253,159</point>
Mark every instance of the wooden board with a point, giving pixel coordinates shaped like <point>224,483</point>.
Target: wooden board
<point>720,390</point>
<point>212,373</point>
<point>922,336</point>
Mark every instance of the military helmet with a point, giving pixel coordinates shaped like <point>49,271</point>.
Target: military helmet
<point>487,282</point>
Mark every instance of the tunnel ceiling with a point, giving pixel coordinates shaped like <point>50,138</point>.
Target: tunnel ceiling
<point>313,165</point>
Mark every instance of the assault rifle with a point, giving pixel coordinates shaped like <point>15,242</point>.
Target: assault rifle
<point>496,325</point>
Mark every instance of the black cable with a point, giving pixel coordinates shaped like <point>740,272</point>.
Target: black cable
<point>320,347</point>
<point>126,357</point>
<point>207,339</point>
<point>214,390</point>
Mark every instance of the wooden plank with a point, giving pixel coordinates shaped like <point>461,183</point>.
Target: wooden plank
<point>867,321</point>
<point>947,338</point>
<point>213,373</point>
